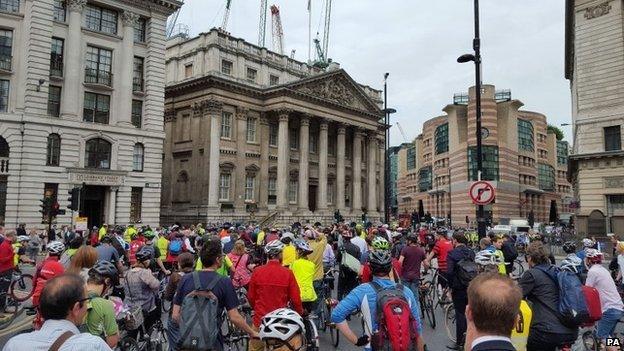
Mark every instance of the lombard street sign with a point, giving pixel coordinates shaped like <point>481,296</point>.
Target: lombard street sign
<point>96,177</point>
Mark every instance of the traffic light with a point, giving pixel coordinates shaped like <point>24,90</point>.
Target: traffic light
<point>74,199</point>
<point>46,208</point>
<point>55,210</point>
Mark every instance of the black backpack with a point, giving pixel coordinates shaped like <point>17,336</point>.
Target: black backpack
<point>466,271</point>
<point>200,318</point>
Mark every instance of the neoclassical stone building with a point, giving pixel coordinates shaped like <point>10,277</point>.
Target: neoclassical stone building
<point>248,128</point>
<point>81,105</point>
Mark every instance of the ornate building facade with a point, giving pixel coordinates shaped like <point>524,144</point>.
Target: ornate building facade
<point>81,105</point>
<point>252,134</point>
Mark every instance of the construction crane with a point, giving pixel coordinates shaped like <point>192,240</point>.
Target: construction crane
<point>262,29</point>
<point>322,58</point>
<point>172,23</point>
<point>402,132</point>
<point>226,15</point>
<point>292,53</point>
<point>326,30</point>
<point>277,30</point>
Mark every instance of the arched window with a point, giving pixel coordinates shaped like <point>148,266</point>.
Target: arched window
<point>98,154</point>
<point>137,157</point>
<point>54,150</point>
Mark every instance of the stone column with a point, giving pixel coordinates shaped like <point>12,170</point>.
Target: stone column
<point>112,205</point>
<point>241,141</point>
<point>124,82</point>
<point>72,71</point>
<point>356,208</point>
<point>322,179</point>
<point>372,173</point>
<point>214,109</point>
<point>340,168</point>
<point>304,153</point>
<point>263,132</point>
<point>382,179</point>
<point>283,159</point>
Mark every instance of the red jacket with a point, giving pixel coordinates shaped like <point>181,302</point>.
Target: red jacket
<point>49,269</point>
<point>271,287</point>
<point>6,256</point>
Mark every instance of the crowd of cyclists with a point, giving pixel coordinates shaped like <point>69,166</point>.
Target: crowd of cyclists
<point>273,287</point>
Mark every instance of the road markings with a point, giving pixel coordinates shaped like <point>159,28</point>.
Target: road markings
<point>14,328</point>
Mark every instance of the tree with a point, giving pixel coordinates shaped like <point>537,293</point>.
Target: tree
<point>556,130</point>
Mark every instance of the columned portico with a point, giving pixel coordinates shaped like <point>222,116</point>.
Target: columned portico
<point>73,73</point>
<point>340,168</point>
<point>282,160</point>
<point>356,208</point>
<point>322,188</point>
<point>129,20</point>
<point>214,109</point>
<point>304,153</point>
<point>371,167</point>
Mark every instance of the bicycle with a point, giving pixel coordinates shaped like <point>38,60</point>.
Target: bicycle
<point>233,338</point>
<point>591,342</point>
<point>517,269</point>
<point>22,286</point>
<point>425,297</point>
<point>449,322</point>
<point>153,340</point>
<point>325,316</point>
<point>164,304</point>
<point>442,295</point>
<point>11,308</point>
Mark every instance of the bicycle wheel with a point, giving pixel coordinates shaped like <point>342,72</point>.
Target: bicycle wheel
<point>128,343</point>
<point>429,310</point>
<point>589,341</point>
<point>21,289</point>
<point>158,338</point>
<point>449,322</point>
<point>322,319</point>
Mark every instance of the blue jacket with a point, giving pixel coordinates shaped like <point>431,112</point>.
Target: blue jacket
<point>353,302</point>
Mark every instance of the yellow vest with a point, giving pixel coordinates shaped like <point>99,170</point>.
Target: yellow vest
<point>101,233</point>
<point>501,267</point>
<point>520,334</point>
<point>162,244</point>
<point>16,256</point>
<point>260,238</point>
<point>128,234</point>
<point>304,273</point>
<point>288,255</point>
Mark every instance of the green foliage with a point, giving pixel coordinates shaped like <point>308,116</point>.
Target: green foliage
<point>558,132</point>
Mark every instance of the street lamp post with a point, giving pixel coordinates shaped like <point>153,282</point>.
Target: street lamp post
<point>387,112</point>
<point>476,58</point>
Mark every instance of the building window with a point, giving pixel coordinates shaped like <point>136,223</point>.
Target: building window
<point>293,188</point>
<point>54,150</point>
<point>98,154</point>
<point>251,129</point>
<point>425,179</point>
<point>6,49</point>
<point>252,74</point>
<point>59,10</point>
<point>101,19</point>
<point>50,195</point>
<point>9,5</point>
<point>96,108</point>
<point>226,67</point>
<point>136,201</point>
<point>137,113</point>
<point>56,57</point>
<point>54,101</point>
<point>272,190</point>
<point>293,137</point>
<point>98,66</point>
<point>188,70</point>
<point>411,157</point>
<point>139,30</point>
<point>224,187</point>
<point>137,77</point>
<point>546,177</point>
<point>273,80</point>
<point>615,202</point>
<point>489,162</point>
<point>562,152</point>
<point>612,138</point>
<point>273,134</point>
<point>250,187</point>
<point>4,95</point>
<point>138,156</point>
<point>226,125</point>
<point>441,139</point>
<point>313,144</point>
<point>525,135</point>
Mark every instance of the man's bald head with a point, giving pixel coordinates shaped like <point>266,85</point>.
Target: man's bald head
<point>494,302</point>
<point>59,296</point>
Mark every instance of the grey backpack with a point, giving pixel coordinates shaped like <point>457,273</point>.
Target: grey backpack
<point>200,317</point>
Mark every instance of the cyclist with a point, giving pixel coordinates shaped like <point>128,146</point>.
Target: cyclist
<point>48,269</point>
<point>366,295</point>
<point>495,248</point>
<point>380,243</point>
<point>304,270</point>
<point>488,261</point>
<point>19,250</point>
<point>290,252</point>
<point>6,270</point>
<point>598,277</point>
<point>440,250</point>
<point>141,288</point>
<point>185,263</point>
<point>107,252</point>
<point>571,261</point>
<point>347,276</point>
<point>100,320</point>
<point>587,244</point>
<point>459,293</point>
<point>411,260</point>
<point>74,245</point>
<point>282,329</point>
<point>149,245</point>
<point>272,286</point>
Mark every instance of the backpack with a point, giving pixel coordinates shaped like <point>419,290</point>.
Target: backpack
<point>200,321</point>
<point>572,309</point>
<point>396,325</point>
<point>175,247</point>
<point>510,252</point>
<point>592,300</point>
<point>467,270</point>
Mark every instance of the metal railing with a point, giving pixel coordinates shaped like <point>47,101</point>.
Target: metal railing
<point>94,76</point>
<point>138,84</point>
<point>56,68</point>
<point>4,165</point>
<point>6,62</point>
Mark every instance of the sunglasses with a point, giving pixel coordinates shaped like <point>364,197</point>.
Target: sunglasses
<point>82,301</point>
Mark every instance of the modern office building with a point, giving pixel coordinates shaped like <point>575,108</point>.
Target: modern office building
<point>521,157</point>
<point>594,64</point>
<point>393,158</point>
<point>81,105</point>
<point>255,134</point>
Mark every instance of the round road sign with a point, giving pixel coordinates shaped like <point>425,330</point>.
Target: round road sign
<point>482,192</point>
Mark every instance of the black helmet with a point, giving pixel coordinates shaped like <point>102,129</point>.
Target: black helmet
<point>104,268</point>
<point>413,238</point>
<point>569,247</point>
<point>143,254</point>
<point>380,261</point>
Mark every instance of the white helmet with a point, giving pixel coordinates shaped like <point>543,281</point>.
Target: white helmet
<point>571,265</point>
<point>23,238</point>
<point>487,258</point>
<point>281,324</point>
<point>56,248</point>
<point>588,242</point>
<point>274,248</point>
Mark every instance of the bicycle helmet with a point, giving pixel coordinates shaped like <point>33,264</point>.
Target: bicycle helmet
<point>569,247</point>
<point>380,260</point>
<point>274,248</point>
<point>281,324</point>
<point>593,256</point>
<point>143,254</point>
<point>380,243</point>
<point>571,265</point>
<point>487,258</point>
<point>56,248</point>
<point>302,245</point>
<point>588,242</point>
<point>104,268</point>
<point>22,238</point>
<point>149,235</point>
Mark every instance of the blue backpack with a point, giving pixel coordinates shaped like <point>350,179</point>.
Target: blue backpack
<point>572,309</point>
<point>175,247</point>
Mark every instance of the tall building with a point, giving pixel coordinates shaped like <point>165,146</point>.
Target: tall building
<point>254,133</point>
<point>393,160</point>
<point>81,105</point>
<point>594,64</point>
<point>521,157</point>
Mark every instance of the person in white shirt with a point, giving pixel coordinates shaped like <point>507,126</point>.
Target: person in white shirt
<point>362,245</point>
<point>611,304</point>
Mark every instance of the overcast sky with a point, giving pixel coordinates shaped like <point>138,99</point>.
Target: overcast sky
<point>418,42</point>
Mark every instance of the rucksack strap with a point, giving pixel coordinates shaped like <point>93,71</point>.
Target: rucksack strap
<point>210,286</point>
<point>61,340</point>
<point>196,280</point>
